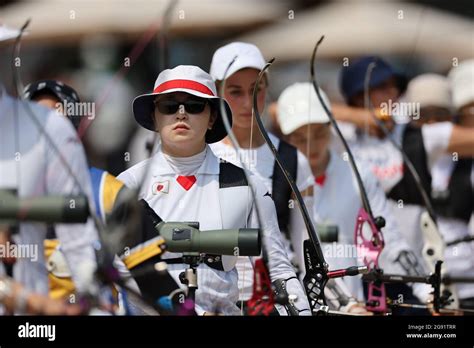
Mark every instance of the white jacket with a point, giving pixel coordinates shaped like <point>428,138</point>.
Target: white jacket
<point>217,290</point>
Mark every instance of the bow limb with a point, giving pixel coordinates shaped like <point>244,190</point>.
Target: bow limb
<point>316,267</point>
<point>263,298</point>
<point>434,245</point>
<point>163,36</point>
<point>373,245</point>
<point>163,41</point>
<point>408,162</point>
<point>17,83</point>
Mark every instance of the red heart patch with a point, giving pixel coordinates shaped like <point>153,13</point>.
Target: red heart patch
<point>186,181</point>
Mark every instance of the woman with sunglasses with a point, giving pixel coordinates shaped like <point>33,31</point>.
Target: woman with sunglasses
<point>183,181</point>
<point>239,85</point>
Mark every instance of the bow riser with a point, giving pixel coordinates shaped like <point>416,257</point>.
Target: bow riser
<point>371,249</point>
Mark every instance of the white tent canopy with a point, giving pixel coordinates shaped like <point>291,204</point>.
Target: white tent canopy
<point>354,28</point>
<point>53,19</point>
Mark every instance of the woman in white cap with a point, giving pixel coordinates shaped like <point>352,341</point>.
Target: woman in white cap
<point>336,194</point>
<point>461,80</point>
<point>185,181</point>
<point>239,85</point>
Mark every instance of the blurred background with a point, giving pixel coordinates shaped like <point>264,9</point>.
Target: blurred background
<point>112,50</point>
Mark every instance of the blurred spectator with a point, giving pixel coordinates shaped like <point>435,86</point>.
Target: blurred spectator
<point>432,94</point>
<point>430,147</point>
<point>462,86</point>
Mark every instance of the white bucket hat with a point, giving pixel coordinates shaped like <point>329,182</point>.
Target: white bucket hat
<point>298,105</point>
<point>462,83</point>
<point>430,90</point>
<point>248,56</point>
<point>188,79</point>
<point>7,33</point>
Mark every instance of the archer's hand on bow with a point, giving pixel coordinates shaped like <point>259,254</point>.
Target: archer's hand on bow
<point>362,119</point>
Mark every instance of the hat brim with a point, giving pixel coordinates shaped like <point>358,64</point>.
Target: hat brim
<point>377,80</point>
<point>400,80</point>
<point>240,65</point>
<point>7,33</point>
<point>144,107</point>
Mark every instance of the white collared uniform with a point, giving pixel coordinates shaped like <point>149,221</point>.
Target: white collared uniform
<point>217,290</point>
<point>33,168</point>
<point>261,162</point>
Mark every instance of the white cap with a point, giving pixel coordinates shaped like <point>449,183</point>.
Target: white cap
<point>462,83</point>
<point>429,90</point>
<point>248,56</point>
<point>7,33</point>
<point>299,105</point>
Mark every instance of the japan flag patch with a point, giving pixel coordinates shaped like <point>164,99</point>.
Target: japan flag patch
<point>160,187</point>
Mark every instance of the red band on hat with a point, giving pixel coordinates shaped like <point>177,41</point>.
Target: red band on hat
<point>187,84</point>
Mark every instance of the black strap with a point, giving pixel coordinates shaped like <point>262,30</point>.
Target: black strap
<point>459,199</point>
<point>231,175</point>
<point>406,189</point>
<point>281,190</point>
<point>457,202</point>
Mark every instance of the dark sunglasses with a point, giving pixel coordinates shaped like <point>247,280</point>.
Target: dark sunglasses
<point>170,106</point>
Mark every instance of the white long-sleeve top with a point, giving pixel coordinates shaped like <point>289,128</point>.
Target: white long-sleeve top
<point>217,290</point>
<point>31,166</point>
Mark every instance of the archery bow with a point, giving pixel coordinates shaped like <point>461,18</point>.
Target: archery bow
<point>263,298</point>
<point>433,248</point>
<point>317,274</point>
<point>373,246</point>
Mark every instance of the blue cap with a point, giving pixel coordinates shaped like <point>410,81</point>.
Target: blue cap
<point>352,77</point>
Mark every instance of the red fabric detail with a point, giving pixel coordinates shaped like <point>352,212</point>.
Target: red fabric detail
<point>321,179</point>
<point>187,84</point>
<point>186,181</point>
